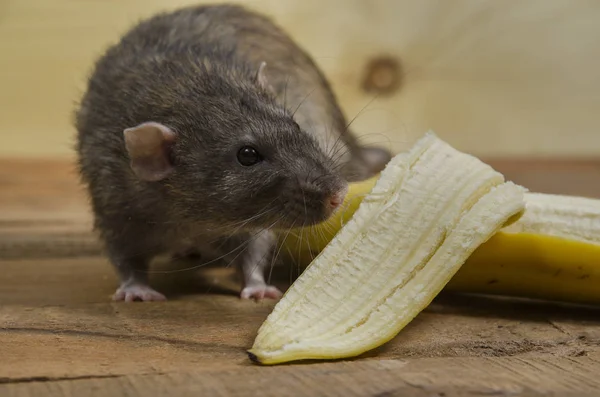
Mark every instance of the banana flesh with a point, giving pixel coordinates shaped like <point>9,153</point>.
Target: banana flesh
<point>427,212</point>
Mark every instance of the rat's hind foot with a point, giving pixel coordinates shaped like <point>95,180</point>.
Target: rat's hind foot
<point>137,292</point>
<point>260,292</point>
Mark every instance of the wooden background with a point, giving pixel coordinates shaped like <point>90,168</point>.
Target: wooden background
<point>496,78</point>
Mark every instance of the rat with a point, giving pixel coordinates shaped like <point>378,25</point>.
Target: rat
<point>208,129</point>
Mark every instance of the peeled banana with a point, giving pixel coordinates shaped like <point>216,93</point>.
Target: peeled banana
<point>551,252</point>
<point>427,212</point>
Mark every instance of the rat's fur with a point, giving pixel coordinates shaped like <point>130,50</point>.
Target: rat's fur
<point>194,71</point>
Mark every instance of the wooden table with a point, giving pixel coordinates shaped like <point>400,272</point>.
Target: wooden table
<point>61,335</point>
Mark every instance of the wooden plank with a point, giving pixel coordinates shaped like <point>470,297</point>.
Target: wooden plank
<point>572,176</point>
<point>58,311</point>
<point>61,335</point>
<point>422,377</point>
<point>44,210</point>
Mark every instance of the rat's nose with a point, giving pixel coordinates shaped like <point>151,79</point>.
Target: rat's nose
<point>336,199</point>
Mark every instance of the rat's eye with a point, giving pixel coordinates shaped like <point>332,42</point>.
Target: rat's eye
<point>248,156</point>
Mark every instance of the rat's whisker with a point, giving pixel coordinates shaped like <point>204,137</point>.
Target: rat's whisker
<point>243,223</point>
<point>337,141</point>
<point>303,100</point>
<point>287,80</point>
<point>301,242</point>
<point>242,246</point>
<point>335,159</point>
<point>277,253</point>
<point>261,212</point>
<point>360,112</point>
<point>295,262</point>
<point>336,150</point>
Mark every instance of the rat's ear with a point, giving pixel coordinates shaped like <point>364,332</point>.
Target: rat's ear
<point>261,78</point>
<point>375,158</point>
<point>148,145</point>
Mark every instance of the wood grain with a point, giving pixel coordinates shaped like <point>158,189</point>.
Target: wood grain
<point>492,77</point>
<point>60,335</point>
<point>56,323</point>
<point>381,378</point>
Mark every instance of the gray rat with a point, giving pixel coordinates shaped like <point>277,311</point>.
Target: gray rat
<point>208,128</point>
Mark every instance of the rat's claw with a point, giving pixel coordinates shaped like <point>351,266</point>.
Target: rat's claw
<point>261,291</point>
<point>137,292</point>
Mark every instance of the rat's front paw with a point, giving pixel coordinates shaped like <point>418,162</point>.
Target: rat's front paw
<point>260,292</point>
<point>137,292</point>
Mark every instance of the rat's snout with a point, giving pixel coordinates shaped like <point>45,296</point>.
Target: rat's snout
<point>316,200</point>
